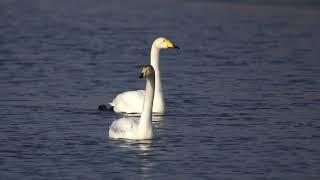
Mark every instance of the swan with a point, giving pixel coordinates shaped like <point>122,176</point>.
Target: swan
<point>131,128</point>
<point>132,101</point>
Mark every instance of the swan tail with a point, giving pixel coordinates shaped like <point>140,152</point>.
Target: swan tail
<point>104,107</point>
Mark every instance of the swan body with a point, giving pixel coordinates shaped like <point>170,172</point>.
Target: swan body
<point>131,127</point>
<point>124,102</point>
<point>132,101</point>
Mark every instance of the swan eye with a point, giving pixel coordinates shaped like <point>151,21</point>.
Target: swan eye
<point>164,40</point>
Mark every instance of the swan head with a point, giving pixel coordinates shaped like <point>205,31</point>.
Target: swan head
<point>147,71</point>
<point>164,43</point>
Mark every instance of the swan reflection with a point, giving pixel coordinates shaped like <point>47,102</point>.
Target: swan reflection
<point>143,150</point>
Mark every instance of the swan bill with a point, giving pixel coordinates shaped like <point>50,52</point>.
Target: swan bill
<point>171,45</point>
<point>176,47</point>
<point>140,75</point>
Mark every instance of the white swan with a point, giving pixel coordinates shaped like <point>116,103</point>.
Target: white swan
<point>132,101</point>
<point>131,128</point>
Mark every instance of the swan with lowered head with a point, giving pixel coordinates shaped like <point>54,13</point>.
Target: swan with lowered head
<point>131,128</point>
<point>132,101</point>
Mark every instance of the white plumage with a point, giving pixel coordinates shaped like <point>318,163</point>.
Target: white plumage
<point>124,128</point>
<point>129,102</point>
<point>132,101</point>
<point>132,127</point>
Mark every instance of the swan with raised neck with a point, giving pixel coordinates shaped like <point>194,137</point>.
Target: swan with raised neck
<point>132,101</point>
<point>129,128</point>
<point>157,45</point>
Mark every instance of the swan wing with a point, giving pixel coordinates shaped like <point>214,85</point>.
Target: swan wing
<point>129,102</point>
<point>124,128</point>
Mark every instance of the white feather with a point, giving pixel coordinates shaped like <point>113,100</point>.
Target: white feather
<point>132,127</point>
<point>132,101</point>
<point>128,102</point>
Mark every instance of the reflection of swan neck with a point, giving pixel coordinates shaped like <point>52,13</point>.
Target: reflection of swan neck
<point>145,126</point>
<point>158,97</point>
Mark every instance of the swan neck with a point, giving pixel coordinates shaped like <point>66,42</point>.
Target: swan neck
<point>146,115</point>
<point>154,55</point>
<point>158,96</point>
<point>155,52</point>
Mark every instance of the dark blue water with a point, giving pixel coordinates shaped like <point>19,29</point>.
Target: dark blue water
<point>242,95</point>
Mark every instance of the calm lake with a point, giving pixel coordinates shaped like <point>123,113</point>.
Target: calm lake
<point>242,94</point>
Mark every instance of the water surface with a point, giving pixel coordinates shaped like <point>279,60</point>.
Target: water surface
<point>242,94</point>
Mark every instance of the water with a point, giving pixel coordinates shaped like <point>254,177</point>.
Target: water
<point>242,94</point>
